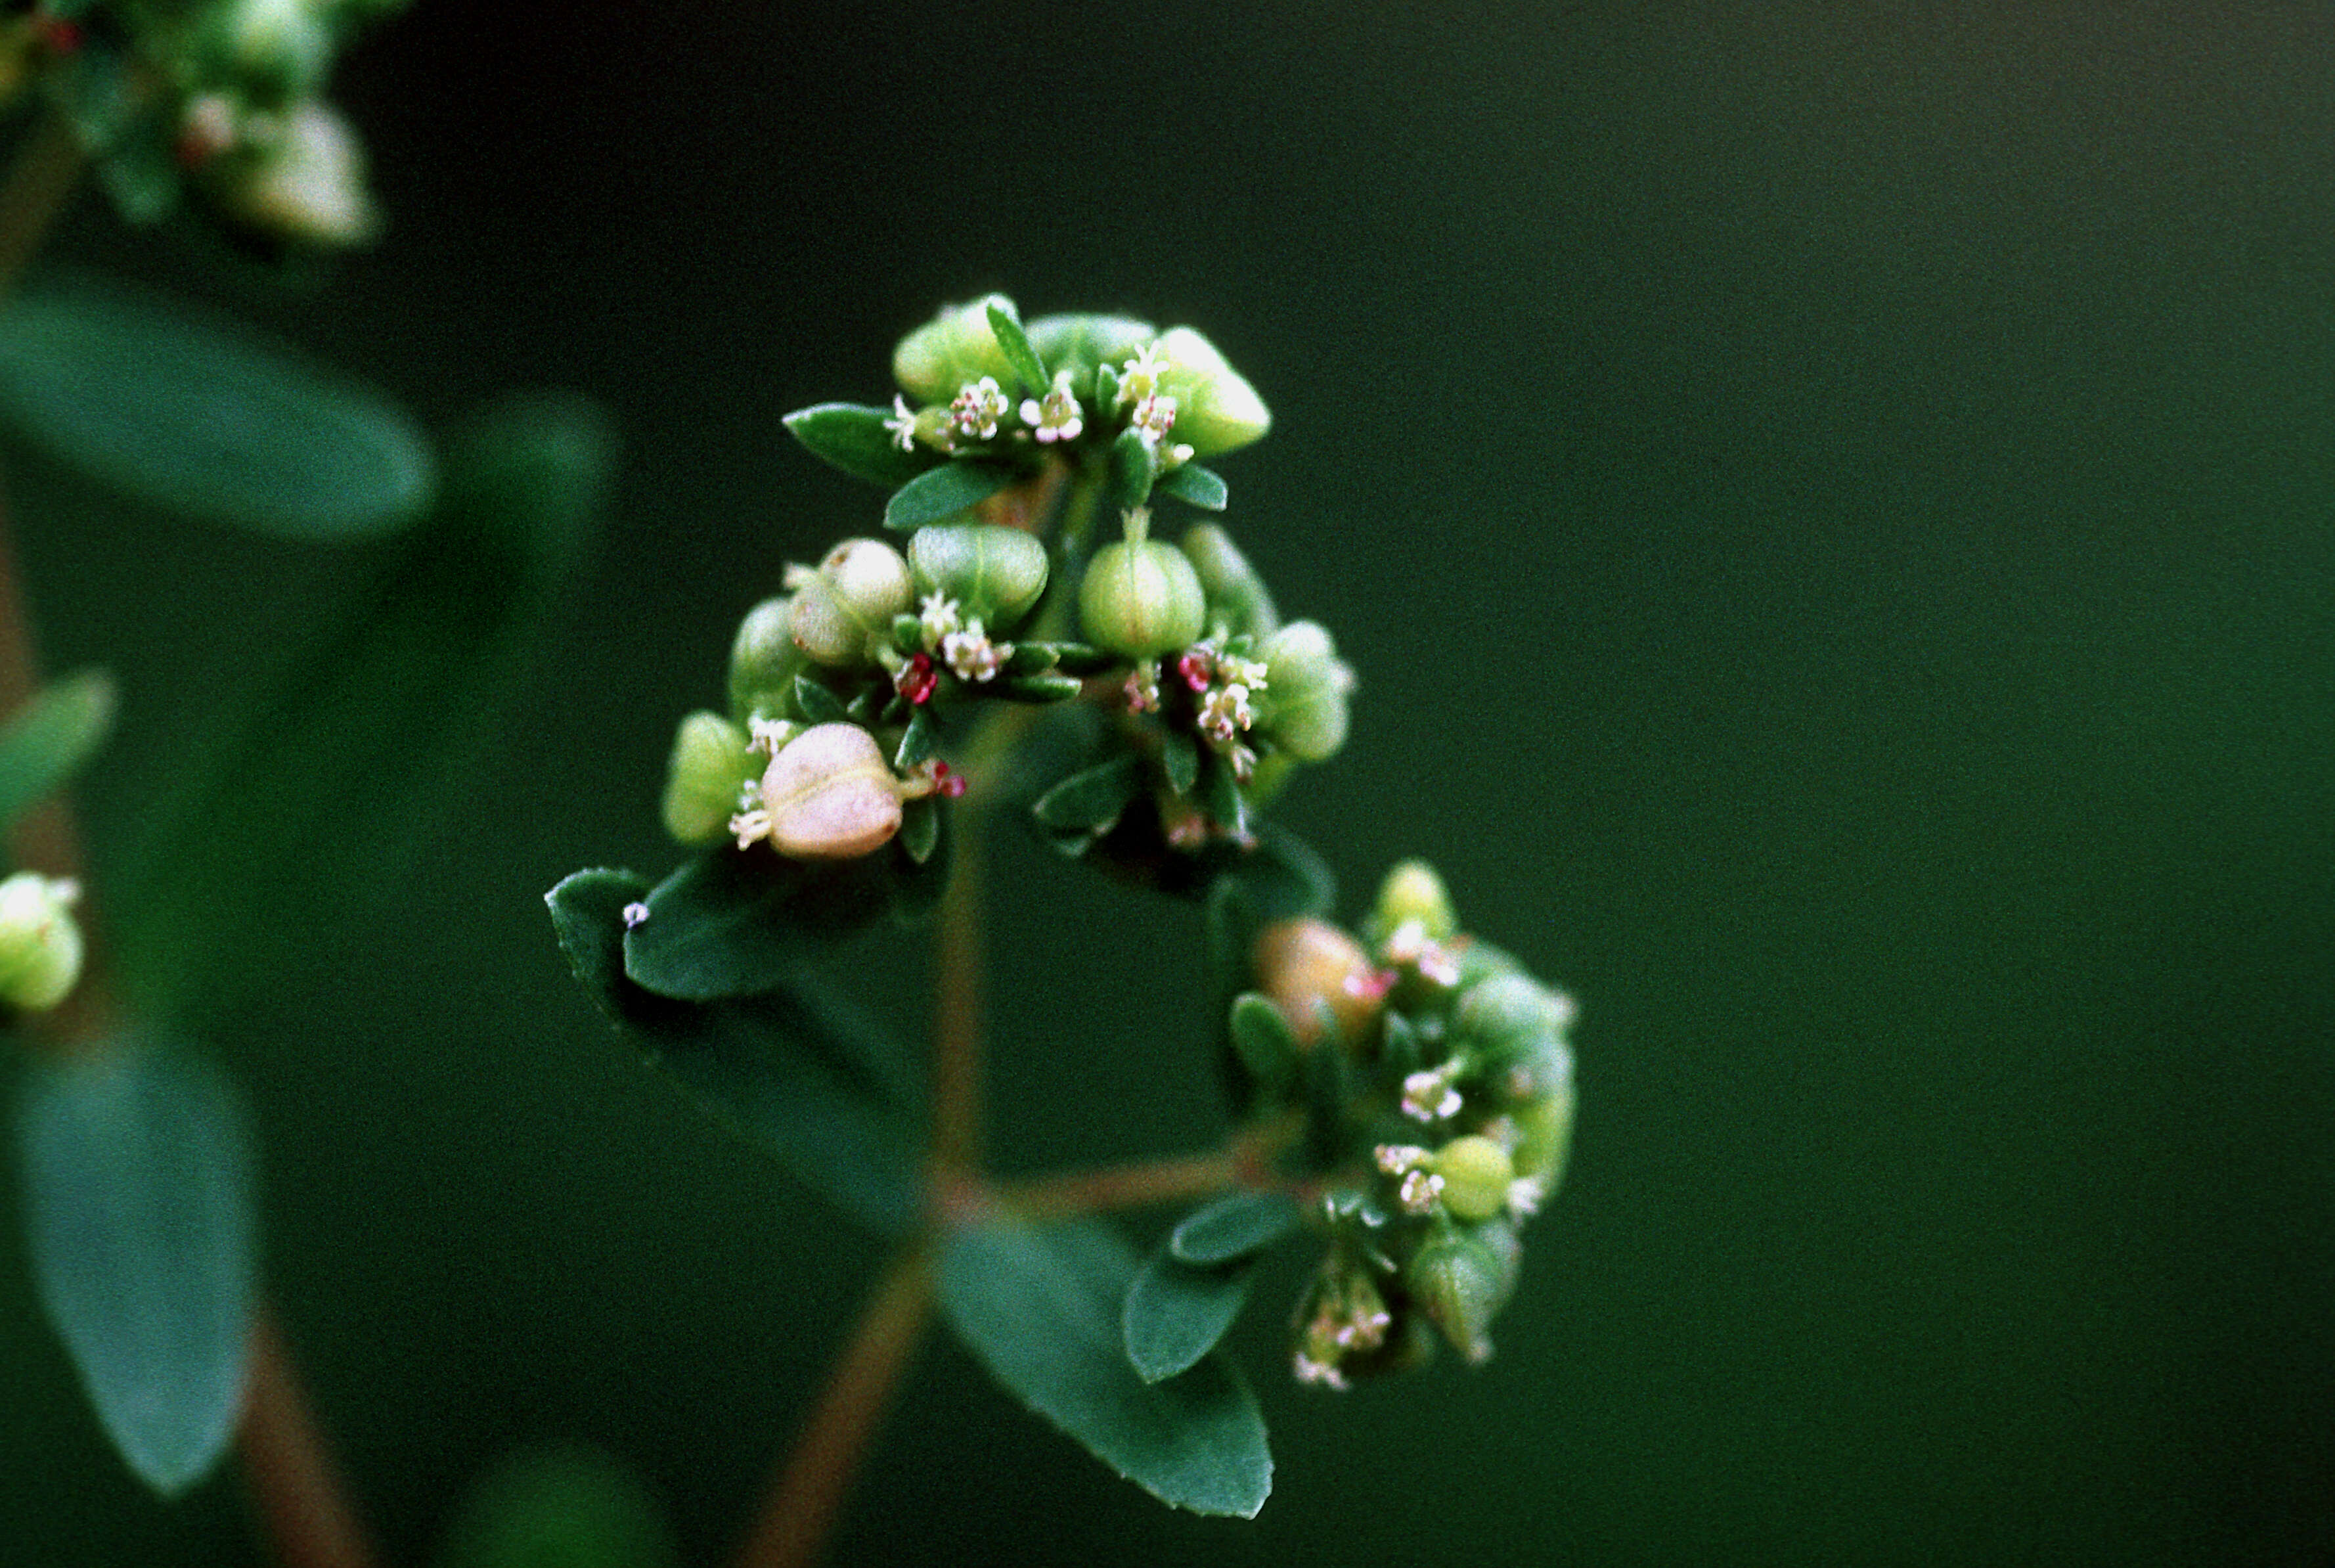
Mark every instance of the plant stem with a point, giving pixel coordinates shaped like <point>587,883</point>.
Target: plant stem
<point>799,1509</point>
<point>956,1022</point>
<point>1125,1187</point>
<point>48,166</point>
<point>290,1471</point>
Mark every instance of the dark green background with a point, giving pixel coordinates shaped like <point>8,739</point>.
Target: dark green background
<point>1831,513</point>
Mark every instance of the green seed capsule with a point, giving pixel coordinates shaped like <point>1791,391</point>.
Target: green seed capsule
<point>1510,1018</point>
<point>1476,1174</point>
<point>994,574</point>
<point>40,942</point>
<point>1306,688</point>
<point>710,765</point>
<point>765,661</point>
<point>1141,599</point>
<point>1080,344</point>
<point>1413,891</point>
<point>1234,590</point>
<point>1310,968</point>
<point>1216,409</point>
<point>1544,1136</point>
<point>842,611</point>
<point>957,346</point>
<point>1462,1276</point>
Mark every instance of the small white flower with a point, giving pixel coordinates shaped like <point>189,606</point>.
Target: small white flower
<point>1155,416</point>
<point>1057,417</point>
<point>1430,1097</point>
<point>1420,1192</point>
<point>902,425</point>
<point>1248,673</point>
<point>939,617</point>
<point>1225,712</point>
<point>1395,1158</point>
<point>972,655</point>
<point>1525,1195</point>
<point>977,407</point>
<point>1311,1371</point>
<point>1143,689</point>
<point>634,914</point>
<point>1138,378</point>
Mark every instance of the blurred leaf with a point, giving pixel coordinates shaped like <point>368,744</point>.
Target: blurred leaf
<point>1279,880</point>
<point>1041,1309</point>
<point>1236,1225</point>
<point>1005,322</point>
<point>1264,1043</point>
<point>1179,759</point>
<point>345,753</point>
<point>1175,1312</point>
<point>46,742</point>
<point>561,1510</point>
<point>920,828</point>
<point>1221,796</point>
<point>1090,800</point>
<point>1203,487</point>
<point>818,702</point>
<point>812,1080</point>
<point>138,1195</point>
<point>1052,686</point>
<point>1078,658</point>
<point>852,437</point>
<point>195,413</point>
<point>918,741</point>
<point>942,492</point>
<point>1134,464</point>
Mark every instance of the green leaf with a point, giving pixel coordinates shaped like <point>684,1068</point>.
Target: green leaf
<point>1134,464</point>
<point>1052,686</point>
<point>190,411</point>
<point>918,741</point>
<point>561,1510</point>
<point>138,1195</point>
<point>852,437</point>
<point>1006,323</point>
<point>1236,1225</point>
<point>1175,1312</point>
<point>1203,487</point>
<point>1081,658</point>
<point>943,492</point>
<point>736,922</point>
<point>47,741</point>
<point>321,787</point>
<point>1221,796</point>
<point>920,828</point>
<point>1090,801</point>
<point>1179,759</point>
<point>1041,1308</point>
<point>1264,1043</point>
<point>827,1092</point>
<point>817,703</point>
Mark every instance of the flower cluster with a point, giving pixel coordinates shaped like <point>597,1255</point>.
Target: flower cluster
<point>1436,1081</point>
<point>224,97</point>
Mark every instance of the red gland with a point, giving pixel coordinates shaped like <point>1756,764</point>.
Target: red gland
<point>919,680</point>
<point>949,784</point>
<point>1196,670</point>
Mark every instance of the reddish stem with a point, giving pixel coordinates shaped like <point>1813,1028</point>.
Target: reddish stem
<point>290,1471</point>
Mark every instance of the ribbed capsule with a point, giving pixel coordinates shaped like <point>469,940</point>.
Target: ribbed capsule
<point>994,574</point>
<point>830,795</point>
<point>842,611</point>
<point>1140,598</point>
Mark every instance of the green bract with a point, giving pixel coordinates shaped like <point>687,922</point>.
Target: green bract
<point>1141,598</point>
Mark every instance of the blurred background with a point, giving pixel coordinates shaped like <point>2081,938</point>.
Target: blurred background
<point>1831,514</point>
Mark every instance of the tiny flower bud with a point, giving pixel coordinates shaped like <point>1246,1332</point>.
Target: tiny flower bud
<point>990,575</point>
<point>1216,409</point>
<point>1461,1275</point>
<point>954,349</point>
<point>1544,1136</point>
<point>713,763</point>
<point>1141,599</point>
<point>1508,1017</point>
<point>306,180</point>
<point>1305,965</point>
<point>1307,684</point>
<point>1476,1174</point>
<point>842,611</point>
<point>765,661</point>
<point>1414,891</point>
<point>40,942</point>
<point>828,795</point>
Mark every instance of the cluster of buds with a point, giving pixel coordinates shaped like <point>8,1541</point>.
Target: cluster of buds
<point>1064,382</point>
<point>1437,1081</point>
<point>40,941</point>
<point>225,97</point>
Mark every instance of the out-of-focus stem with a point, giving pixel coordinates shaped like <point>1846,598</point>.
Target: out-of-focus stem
<point>291,1473</point>
<point>956,1021</point>
<point>799,1509</point>
<point>48,164</point>
<point>1123,1186</point>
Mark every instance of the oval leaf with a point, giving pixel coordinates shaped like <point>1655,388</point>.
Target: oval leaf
<point>1264,1040</point>
<point>1041,1308</point>
<point>1175,1314</point>
<point>1006,324</point>
<point>138,1185</point>
<point>47,742</point>
<point>1237,1225</point>
<point>1203,487</point>
<point>853,437</point>
<point>942,492</point>
<point>1092,800</point>
<point>195,414</point>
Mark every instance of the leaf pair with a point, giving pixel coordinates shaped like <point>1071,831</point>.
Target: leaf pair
<point>1186,1295</point>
